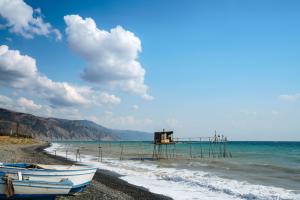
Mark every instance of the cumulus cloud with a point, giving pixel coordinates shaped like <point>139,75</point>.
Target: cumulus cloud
<point>4,100</point>
<point>22,19</point>
<point>111,56</point>
<point>290,97</point>
<point>28,104</point>
<point>16,70</point>
<point>20,72</point>
<point>105,98</point>
<point>21,104</point>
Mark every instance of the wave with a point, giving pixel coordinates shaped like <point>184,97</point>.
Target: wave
<point>183,184</point>
<point>276,167</point>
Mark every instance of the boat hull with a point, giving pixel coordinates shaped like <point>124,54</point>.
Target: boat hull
<point>81,177</point>
<point>36,189</point>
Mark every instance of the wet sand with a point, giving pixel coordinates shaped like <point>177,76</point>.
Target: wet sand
<point>106,185</point>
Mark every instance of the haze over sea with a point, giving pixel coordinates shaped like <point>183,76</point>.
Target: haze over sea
<point>257,170</point>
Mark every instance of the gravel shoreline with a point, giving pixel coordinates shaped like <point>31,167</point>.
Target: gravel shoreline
<point>106,185</point>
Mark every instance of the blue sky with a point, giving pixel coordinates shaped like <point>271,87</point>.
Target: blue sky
<point>230,66</point>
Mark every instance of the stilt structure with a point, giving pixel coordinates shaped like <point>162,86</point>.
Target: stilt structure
<point>163,147</point>
<point>212,147</point>
<point>161,140</point>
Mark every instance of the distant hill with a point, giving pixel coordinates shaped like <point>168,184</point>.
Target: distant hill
<point>56,129</point>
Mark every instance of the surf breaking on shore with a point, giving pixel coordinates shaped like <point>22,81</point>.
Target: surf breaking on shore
<point>180,183</point>
<point>105,186</point>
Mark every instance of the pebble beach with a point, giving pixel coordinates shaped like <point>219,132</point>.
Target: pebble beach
<point>106,185</point>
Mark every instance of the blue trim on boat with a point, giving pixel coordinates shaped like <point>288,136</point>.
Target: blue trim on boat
<point>51,185</point>
<point>23,166</point>
<point>54,187</point>
<point>30,174</point>
<point>80,188</point>
<point>83,184</point>
<point>64,182</point>
<point>74,187</point>
<point>27,173</point>
<point>32,196</point>
<point>36,186</point>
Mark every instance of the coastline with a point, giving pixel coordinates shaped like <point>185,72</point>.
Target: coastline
<point>106,185</point>
<point>178,182</point>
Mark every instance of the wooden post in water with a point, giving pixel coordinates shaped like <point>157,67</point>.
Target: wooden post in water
<point>201,154</point>
<point>99,149</point>
<point>100,154</point>
<point>159,152</point>
<point>209,147</point>
<point>166,153</point>
<point>142,152</point>
<point>78,155</point>
<point>154,151</point>
<point>174,150</point>
<point>224,147</point>
<point>121,155</point>
<point>190,148</point>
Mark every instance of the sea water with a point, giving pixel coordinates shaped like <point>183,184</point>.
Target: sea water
<point>256,170</point>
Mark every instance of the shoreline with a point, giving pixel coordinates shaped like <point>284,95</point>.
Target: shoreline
<point>108,182</point>
<point>106,185</point>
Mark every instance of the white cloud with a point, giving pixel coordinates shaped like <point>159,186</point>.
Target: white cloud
<point>105,98</point>
<point>28,104</point>
<point>21,104</point>
<point>20,72</point>
<point>22,19</point>
<point>61,93</point>
<point>290,98</point>
<point>112,56</point>
<point>16,70</point>
<point>4,100</point>
<point>108,118</point>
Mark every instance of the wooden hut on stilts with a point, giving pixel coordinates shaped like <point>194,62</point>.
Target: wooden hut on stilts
<point>162,140</point>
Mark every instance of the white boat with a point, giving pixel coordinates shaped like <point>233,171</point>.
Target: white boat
<point>23,189</point>
<point>80,176</point>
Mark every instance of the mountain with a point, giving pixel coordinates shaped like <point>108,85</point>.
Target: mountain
<point>56,129</point>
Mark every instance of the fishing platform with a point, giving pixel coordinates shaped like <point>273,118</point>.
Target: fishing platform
<point>163,147</point>
<point>196,147</point>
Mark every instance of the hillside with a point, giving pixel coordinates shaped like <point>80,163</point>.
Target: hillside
<point>56,129</point>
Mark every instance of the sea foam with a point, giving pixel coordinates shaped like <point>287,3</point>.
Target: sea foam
<point>182,183</point>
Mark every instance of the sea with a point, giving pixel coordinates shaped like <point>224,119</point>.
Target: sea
<point>194,170</point>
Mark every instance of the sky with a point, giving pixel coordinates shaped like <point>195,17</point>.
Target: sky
<point>189,66</point>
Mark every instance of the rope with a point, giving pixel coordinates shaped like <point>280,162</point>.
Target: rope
<point>9,188</point>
